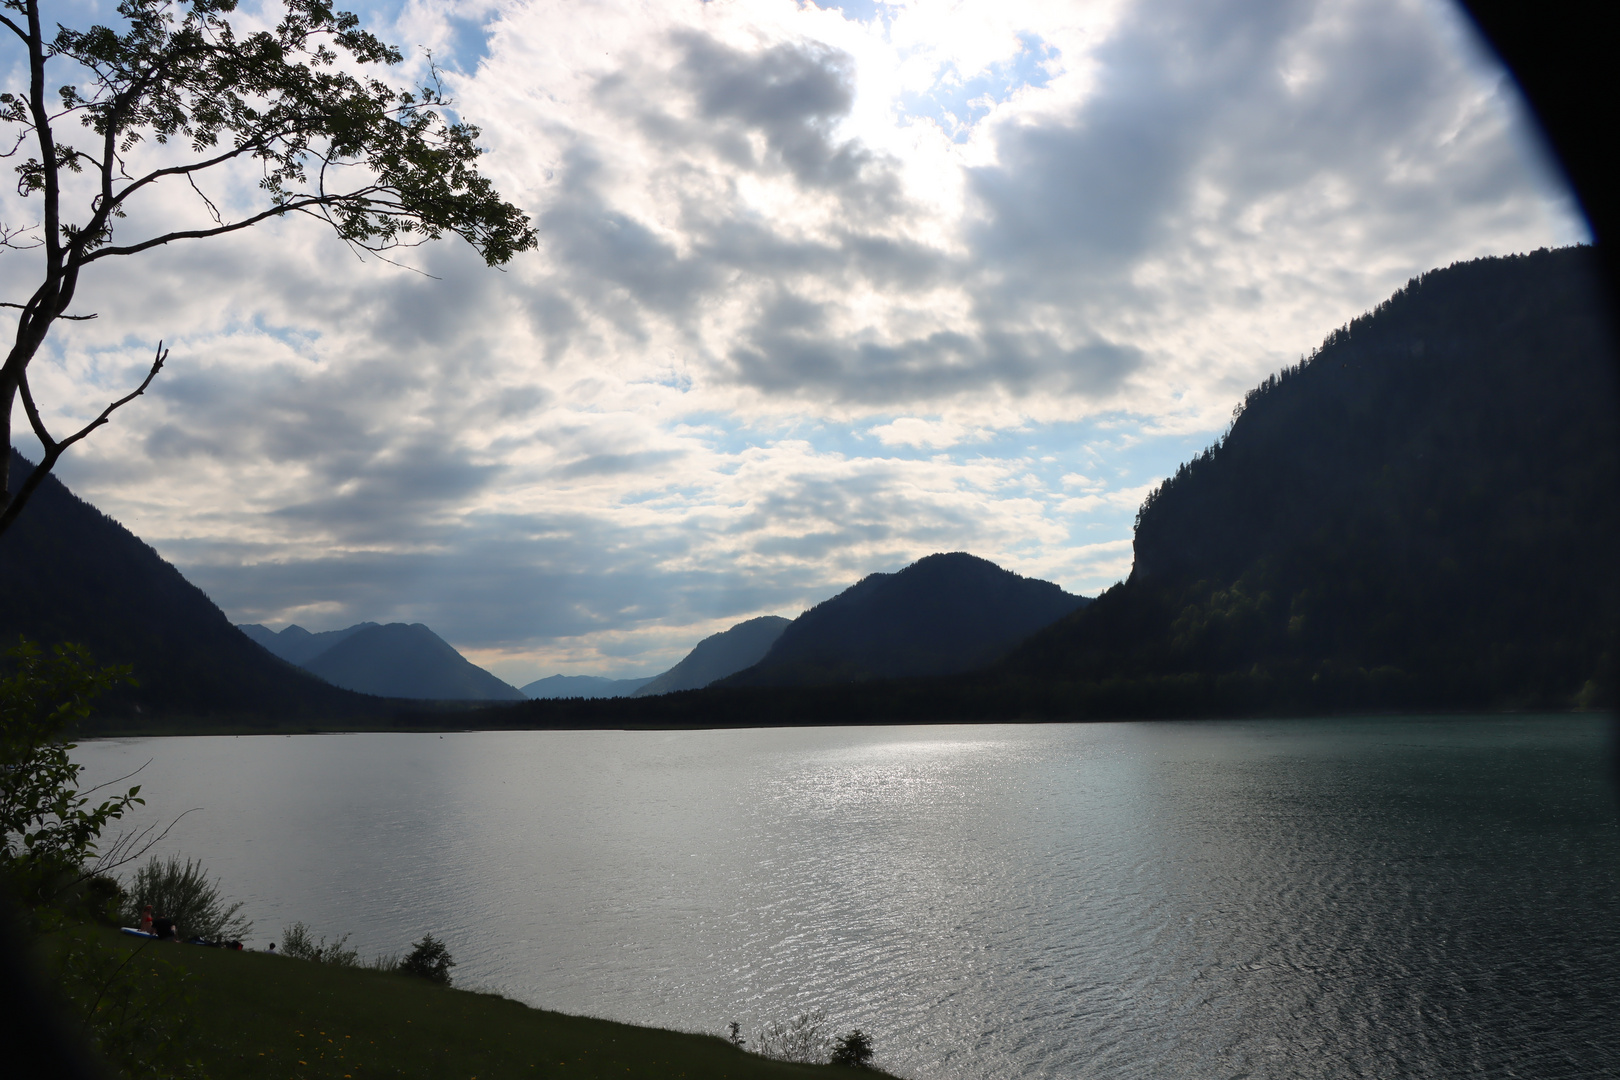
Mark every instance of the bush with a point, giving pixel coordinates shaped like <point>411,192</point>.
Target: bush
<point>803,1039</point>
<point>135,1008</point>
<point>429,959</point>
<point>102,899</point>
<point>298,943</point>
<point>853,1050</point>
<point>49,829</point>
<point>184,893</point>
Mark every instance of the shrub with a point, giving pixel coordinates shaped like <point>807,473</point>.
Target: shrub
<point>103,898</point>
<point>853,1050</point>
<point>49,828</point>
<point>429,959</point>
<point>182,891</point>
<point>298,943</point>
<point>134,1007</point>
<point>804,1038</point>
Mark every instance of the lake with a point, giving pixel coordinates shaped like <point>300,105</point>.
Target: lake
<point>1268,899</point>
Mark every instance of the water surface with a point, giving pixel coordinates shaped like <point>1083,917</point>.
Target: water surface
<point>1287,899</point>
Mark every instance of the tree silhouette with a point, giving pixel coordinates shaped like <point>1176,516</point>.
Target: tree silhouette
<point>172,96</point>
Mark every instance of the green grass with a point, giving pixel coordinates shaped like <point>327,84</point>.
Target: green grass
<point>255,1015</point>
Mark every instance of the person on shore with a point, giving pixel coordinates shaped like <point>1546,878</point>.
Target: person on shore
<point>272,949</point>
<point>165,929</point>
<point>146,919</point>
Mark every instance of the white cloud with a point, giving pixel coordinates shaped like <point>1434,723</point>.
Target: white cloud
<point>968,230</point>
<point>915,431</point>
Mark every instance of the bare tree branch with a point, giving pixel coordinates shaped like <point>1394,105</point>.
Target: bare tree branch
<point>119,780</point>
<point>70,318</point>
<point>213,211</point>
<point>157,366</point>
<point>127,847</point>
<point>54,448</point>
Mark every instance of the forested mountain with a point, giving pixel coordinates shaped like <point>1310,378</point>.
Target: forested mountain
<point>582,686</point>
<point>68,572</point>
<point>406,660</point>
<point>1422,514</point>
<point>941,615</point>
<point>719,655</point>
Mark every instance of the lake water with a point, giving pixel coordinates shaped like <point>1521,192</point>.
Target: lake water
<point>1280,899</point>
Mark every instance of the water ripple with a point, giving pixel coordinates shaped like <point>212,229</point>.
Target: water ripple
<point>1310,899</point>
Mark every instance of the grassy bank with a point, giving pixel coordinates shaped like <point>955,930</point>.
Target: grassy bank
<point>255,1015</point>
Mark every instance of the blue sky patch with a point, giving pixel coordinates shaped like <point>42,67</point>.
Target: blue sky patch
<point>957,103</point>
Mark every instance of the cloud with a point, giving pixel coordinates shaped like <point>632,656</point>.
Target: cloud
<point>819,291</point>
<point>914,431</point>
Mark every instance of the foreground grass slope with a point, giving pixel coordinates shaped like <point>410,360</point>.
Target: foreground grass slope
<point>256,1015</point>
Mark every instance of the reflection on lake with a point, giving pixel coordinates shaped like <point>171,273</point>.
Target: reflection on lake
<point>1414,898</point>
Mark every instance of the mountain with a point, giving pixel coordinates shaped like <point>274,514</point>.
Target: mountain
<point>401,661</point>
<point>582,686</point>
<point>297,645</point>
<point>940,615</point>
<point>68,572</point>
<point>1422,514</point>
<point>405,661</point>
<point>719,655</point>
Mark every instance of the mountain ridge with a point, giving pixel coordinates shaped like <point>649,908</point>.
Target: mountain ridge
<point>69,572</point>
<point>1421,514</point>
<point>943,614</point>
<point>719,655</point>
<point>406,660</point>
<point>296,645</point>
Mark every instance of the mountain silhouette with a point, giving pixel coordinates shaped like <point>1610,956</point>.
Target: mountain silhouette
<point>405,661</point>
<point>295,644</point>
<point>69,573</point>
<point>582,686</point>
<point>1422,514</point>
<point>719,655</point>
<point>939,616</point>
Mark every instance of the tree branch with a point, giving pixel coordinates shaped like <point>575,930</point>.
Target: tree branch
<point>157,366</point>
<point>15,29</point>
<point>53,448</point>
<point>70,318</point>
<point>295,206</point>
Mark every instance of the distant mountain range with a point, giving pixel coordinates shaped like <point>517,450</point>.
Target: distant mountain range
<point>68,572</point>
<point>715,657</point>
<point>941,615</point>
<point>397,660</point>
<point>297,645</point>
<point>582,686</point>
<point>719,655</point>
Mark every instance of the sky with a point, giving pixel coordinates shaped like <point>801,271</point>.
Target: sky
<point>818,291</point>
